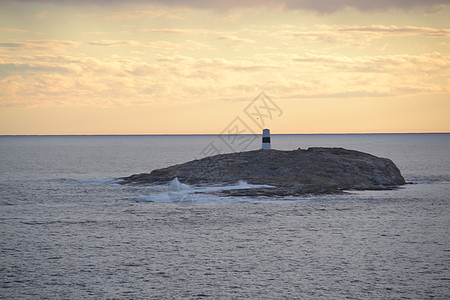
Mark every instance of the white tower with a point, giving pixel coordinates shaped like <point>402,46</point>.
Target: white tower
<point>266,139</point>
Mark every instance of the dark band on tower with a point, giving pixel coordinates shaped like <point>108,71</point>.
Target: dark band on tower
<point>266,139</point>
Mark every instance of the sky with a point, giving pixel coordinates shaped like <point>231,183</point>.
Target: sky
<point>209,67</point>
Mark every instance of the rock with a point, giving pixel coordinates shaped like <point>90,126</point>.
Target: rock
<point>297,172</point>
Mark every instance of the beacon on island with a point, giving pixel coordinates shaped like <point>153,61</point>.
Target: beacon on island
<point>266,139</point>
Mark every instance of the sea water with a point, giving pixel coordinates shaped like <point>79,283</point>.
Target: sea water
<point>68,230</point>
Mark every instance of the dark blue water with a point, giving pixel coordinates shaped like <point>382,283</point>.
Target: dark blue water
<point>67,230</point>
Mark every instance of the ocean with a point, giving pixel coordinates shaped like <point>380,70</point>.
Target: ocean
<point>68,230</point>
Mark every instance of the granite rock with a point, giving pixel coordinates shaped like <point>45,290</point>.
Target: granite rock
<point>297,172</point>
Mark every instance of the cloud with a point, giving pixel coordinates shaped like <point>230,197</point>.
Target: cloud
<point>166,30</point>
<point>189,31</point>
<point>165,46</point>
<point>194,45</point>
<point>21,67</point>
<point>235,39</point>
<point>330,6</point>
<point>114,81</point>
<point>132,15</point>
<point>390,75</point>
<point>43,15</point>
<point>114,43</point>
<point>15,30</point>
<point>38,45</point>
<point>157,45</point>
<point>342,35</point>
<point>68,80</point>
<point>396,30</point>
<point>235,65</point>
<point>321,6</point>
<point>400,65</point>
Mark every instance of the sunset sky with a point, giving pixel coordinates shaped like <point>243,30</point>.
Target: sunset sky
<point>186,67</point>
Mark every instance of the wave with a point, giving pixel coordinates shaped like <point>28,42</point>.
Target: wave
<point>177,192</point>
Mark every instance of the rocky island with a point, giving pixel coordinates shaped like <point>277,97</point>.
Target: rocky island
<point>285,173</point>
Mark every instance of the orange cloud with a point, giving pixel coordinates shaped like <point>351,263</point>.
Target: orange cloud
<point>68,80</point>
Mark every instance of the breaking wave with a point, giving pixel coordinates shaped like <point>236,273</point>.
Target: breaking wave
<point>177,192</point>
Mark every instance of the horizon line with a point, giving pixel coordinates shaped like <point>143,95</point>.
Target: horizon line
<point>217,134</point>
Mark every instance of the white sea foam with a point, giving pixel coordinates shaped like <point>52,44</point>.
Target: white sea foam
<point>176,186</point>
<point>177,192</point>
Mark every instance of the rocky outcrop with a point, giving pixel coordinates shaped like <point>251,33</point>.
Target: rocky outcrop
<point>298,172</point>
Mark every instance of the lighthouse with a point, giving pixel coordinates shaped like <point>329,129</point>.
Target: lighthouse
<point>266,139</point>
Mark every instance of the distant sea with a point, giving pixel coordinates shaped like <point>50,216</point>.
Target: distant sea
<point>68,230</point>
